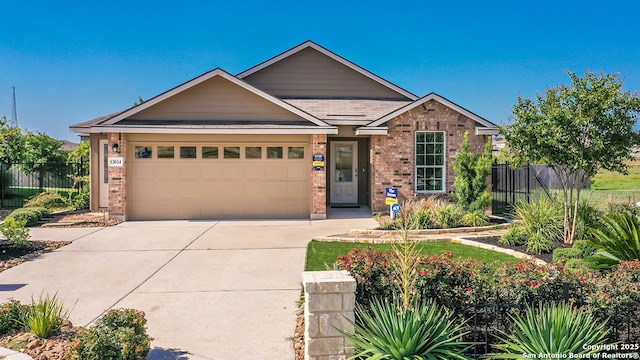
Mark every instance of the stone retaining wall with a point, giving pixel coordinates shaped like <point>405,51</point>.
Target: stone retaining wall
<point>329,302</point>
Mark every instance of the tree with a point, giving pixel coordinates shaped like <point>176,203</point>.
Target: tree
<point>576,130</point>
<point>12,142</point>
<point>42,154</point>
<point>471,181</point>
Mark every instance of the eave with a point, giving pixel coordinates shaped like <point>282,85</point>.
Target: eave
<point>248,129</point>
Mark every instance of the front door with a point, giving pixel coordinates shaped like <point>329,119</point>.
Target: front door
<point>344,172</point>
<point>104,174</point>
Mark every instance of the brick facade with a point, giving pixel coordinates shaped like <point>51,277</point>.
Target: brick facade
<point>393,155</point>
<point>319,179</point>
<point>117,178</point>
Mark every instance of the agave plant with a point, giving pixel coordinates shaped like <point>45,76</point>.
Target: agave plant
<point>552,329</point>
<point>616,239</point>
<point>389,331</point>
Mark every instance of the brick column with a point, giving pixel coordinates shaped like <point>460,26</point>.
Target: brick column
<point>329,302</point>
<point>319,179</point>
<point>118,178</point>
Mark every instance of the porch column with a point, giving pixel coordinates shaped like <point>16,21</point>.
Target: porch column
<point>117,178</point>
<point>319,179</point>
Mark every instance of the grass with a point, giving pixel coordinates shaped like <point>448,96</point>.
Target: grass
<point>322,254</point>
<point>612,181</point>
<point>612,187</point>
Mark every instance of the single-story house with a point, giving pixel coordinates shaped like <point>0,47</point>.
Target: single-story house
<point>287,138</point>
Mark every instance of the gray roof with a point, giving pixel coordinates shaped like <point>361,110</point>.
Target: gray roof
<point>349,110</point>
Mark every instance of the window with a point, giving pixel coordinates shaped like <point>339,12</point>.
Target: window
<point>274,152</point>
<point>253,152</point>
<point>165,152</point>
<point>296,152</point>
<point>187,152</point>
<point>143,152</point>
<point>232,152</point>
<point>430,167</point>
<point>209,152</point>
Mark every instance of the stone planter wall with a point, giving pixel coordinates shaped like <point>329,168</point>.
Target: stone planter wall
<point>329,302</point>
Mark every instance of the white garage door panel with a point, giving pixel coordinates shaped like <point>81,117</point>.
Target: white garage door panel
<point>218,188</point>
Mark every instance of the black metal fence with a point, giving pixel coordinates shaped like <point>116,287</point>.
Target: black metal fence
<point>487,323</point>
<point>21,181</point>
<point>509,185</point>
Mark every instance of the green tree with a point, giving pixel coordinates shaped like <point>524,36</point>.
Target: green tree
<point>42,155</point>
<point>576,130</point>
<point>12,142</point>
<point>471,181</point>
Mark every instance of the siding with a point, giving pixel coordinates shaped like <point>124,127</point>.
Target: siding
<point>216,99</point>
<point>311,74</point>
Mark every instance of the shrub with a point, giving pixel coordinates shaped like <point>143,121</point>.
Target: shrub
<point>449,216</point>
<point>39,211</point>
<point>539,243</point>
<point>118,335</point>
<point>45,316</point>
<point>576,264</point>
<point>424,331</point>
<point>10,313</point>
<point>588,218</point>
<point>564,254</point>
<point>542,216</point>
<point>372,271</point>
<point>514,236</point>
<point>15,231</point>
<point>472,171</point>
<point>617,208</point>
<point>616,239</point>
<point>584,247</point>
<point>31,215</point>
<point>475,218</point>
<point>423,219</point>
<point>81,200</point>
<point>552,329</point>
<point>47,199</point>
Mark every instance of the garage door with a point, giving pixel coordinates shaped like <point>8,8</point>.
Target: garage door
<point>217,181</point>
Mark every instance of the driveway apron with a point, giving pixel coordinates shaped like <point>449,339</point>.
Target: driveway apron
<point>216,290</point>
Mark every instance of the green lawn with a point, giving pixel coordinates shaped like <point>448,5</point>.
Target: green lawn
<point>321,254</point>
<point>607,180</point>
<point>608,187</point>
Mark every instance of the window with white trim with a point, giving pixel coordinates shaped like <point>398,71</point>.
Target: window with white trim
<point>430,163</point>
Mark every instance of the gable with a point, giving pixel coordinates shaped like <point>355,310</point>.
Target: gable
<point>315,73</point>
<point>216,99</point>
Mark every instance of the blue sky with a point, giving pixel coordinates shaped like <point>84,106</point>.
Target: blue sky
<point>72,61</point>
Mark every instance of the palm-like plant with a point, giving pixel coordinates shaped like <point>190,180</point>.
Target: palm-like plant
<point>616,239</point>
<point>391,332</point>
<point>552,329</point>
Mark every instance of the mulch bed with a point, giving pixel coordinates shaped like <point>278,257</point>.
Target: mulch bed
<point>493,240</point>
<point>12,255</point>
<point>58,347</point>
<point>79,218</point>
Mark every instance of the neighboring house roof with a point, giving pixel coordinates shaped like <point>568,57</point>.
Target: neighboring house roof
<point>484,126</point>
<point>68,145</point>
<point>393,90</point>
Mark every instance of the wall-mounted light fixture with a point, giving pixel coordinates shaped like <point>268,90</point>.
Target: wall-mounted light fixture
<point>115,147</point>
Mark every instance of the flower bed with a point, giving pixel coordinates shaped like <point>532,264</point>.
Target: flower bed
<point>455,282</point>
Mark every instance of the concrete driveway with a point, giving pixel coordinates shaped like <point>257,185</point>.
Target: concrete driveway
<point>211,289</point>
